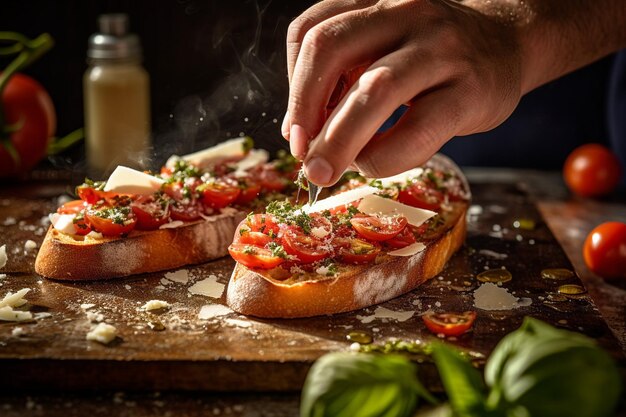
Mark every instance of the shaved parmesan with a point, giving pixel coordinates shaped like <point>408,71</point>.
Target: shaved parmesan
<point>402,177</point>
<point>14,300</point>
<point>103,333</point>
<point>155,305</point>
<point>130,181</point>
<point>408,250</point>
<point>172,225</point>
<point>340,199</point>
<point>3,256</point>
<point>253,158</point>
<point>376,206</point>
<point>231,148</point>
<point>8,314</point>
<point>63,222</point>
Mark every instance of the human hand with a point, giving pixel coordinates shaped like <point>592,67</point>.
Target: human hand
<point>459,69</point>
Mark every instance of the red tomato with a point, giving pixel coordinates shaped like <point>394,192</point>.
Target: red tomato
<point>421,196</point>
<point>72,207</point>
<point>263,223</point>
<point>250,190</point>
<point>605,250</point>
<point>26,103</point>
<point>111,221</point>
<point>254,256</point>
<point>91,195</point>
<point>186,212</point>
<point>180,191</point>
<point>402,239</point>
<point>378,229</point>
<point>81,227</point>
<point>271,179</point>
<point>252,238</point>
<point>218,194</point>
<point>305,247</point>
<point>592,170</point>
<point>151,214</point>
<point>356,251</point>
<point>449,324</point>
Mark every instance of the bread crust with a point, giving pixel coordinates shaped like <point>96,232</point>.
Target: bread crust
<point>251,293</point>
<point>65,257</point>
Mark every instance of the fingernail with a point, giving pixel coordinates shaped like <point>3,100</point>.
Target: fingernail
<point>318,170</point>
<point>298,141</point>
<point>284,129</point>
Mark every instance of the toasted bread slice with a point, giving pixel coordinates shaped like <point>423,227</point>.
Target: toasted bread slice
<point>258,293</point>
<point>69,257</point>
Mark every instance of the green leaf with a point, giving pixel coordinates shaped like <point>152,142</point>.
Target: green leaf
<point>463,383</point>
<point>361,385</point>
<point>539,370</point>
<point>59,145</point>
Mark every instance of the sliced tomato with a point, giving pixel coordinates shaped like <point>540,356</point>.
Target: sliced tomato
<point>263,223</point>
<point>271,179</point>
<point>449,324</point>
<point>402,239</point>
<point>92,195</point>
<point>219,193</point>
<point>378,228</point>
<point>249,190</point>
<point>422,196</point>
<point>254,256</point>
<point>306,248</point>
<point>150,212</point>
<point>111,221</point>
<point>81,227</point>
<point>321,227</point>
<point>72,207</point>
<point>356,251</point>
<point>253,238</point>
<point>186,211</point>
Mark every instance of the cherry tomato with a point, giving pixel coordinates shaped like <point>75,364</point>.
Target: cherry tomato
<point>27,104</point>
<point>378,229</point>
<point>356,251</point>
<point>263,223</point>
<point>320,226</point>
<point>421,196</point>
<point>449,324</point>
<point>180,191</point>
<point>252,238</point>
<point>218,194</point>
<point>249,190</point>
<point>186,211</point>
<point>81,227</point>
<point>402,239</point>
<point>271,179</point>
<point>151,214</point>
<point>91,195</point>
<point>592,170</point>
<point>111,221</point>
<point>254,256</point>
<point>305,247</point>
<point>72,207</point>
<point>604,250</point>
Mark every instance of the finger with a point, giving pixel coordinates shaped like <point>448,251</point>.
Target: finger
<point>310,18</point>
<point>339,43</point>
<point>387,84</point>
<point>429,123</point>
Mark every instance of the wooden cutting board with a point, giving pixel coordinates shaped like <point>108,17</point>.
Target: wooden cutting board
<point>176,349</point>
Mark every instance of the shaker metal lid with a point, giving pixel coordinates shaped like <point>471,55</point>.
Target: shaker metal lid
<point>113,41</point>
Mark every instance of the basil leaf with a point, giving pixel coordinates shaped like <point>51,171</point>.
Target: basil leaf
<point>463,383</point>
<point>354,385</point>
<point>542,371</point>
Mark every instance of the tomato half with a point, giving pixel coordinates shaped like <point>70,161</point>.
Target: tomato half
<point>186,211</point>
<point>27,104</point>
<point>305,247</point>
<point>422,196</point>
<point>81,227</point>
<point>150,213</point>
<point>111,221</point>
<point>218,194</point>
<point>592,170</point>
<point>254,256</point>
<point>249,190</point>
<point>72,207</point>
<point>402,239</point>
<point>356,251</point>
<point>449,324</point>
<point>378,229</point>
<point>252,238</point>
<point>92,195</point>
<point>270,179</point>
<point>604,250</point>
<point>263,223</point>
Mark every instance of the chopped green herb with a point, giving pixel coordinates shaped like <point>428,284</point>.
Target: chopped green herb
<point>118,215</point>
<point>249,250</point>
<point>287,213</point>
<point>277,250</point>
<point>248,144</point>
<point>376,184</point>
<point>285,162</point>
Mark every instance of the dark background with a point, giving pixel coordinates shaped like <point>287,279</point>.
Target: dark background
<point>217,69</point>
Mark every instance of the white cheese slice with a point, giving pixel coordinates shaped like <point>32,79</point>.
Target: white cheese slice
<point>172,225</point>
<point>340,199</point>
<point>376,206</point>
<point>63,222</point>
<point>3,256</point>
<point>231,148</point>
<point>408,250</point>
<point>14,300</point>
<point>103,333</point>
<point>8,314</point>
<point>130,181</point>
<point>402,177</point>
<point>253,158</point>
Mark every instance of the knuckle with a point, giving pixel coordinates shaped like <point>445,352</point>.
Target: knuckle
<point>377,84</point>
<point>298,28</point>
<point>318,40</point>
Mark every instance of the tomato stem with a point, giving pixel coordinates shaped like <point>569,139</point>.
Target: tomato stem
<point>61,144</point>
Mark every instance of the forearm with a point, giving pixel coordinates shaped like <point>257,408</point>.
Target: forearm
<point>559,36</point>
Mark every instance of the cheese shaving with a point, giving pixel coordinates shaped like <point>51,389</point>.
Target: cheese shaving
<point>379,206</point>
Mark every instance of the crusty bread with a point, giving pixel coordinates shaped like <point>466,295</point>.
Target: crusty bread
<point>256,293</point>
<point>66,257</point>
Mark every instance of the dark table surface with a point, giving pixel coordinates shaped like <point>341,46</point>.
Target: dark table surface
<point>179,371</point>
